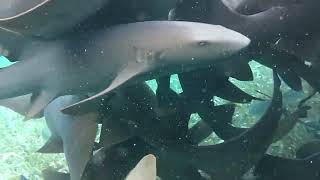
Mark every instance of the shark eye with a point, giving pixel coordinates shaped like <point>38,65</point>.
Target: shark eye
<point>203,43</point>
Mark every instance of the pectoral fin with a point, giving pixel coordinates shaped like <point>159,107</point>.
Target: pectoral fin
<point>20,105</point>
<point>128,73</point>
<point>38,103</point>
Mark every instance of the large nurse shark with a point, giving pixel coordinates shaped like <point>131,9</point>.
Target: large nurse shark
<point>104,60</point>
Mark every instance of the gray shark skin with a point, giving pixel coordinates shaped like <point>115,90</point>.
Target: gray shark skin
<point>277,168</point>
<point>43,17</point>
<point>250,147</point>
<point>77,134</point>
<point>310,148</point>
<point>161,54</point>
<point>85,64</point>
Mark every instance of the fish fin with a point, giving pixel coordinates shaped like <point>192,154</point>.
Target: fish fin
<point>290,78</point>
<point>145,169</point>
<point>20,105</point>
<point>38,103</point>
<point>232,93</point>
<point>53,145</point>
<point>128,73</point>
<point>78,143</point>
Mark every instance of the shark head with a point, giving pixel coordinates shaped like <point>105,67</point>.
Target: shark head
<point>190,45</point>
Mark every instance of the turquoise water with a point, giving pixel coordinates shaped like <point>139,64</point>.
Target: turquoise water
<point>4,62</point>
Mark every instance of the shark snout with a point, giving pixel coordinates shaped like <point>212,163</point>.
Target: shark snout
<point>238,40</point>
<point>231,41</point>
